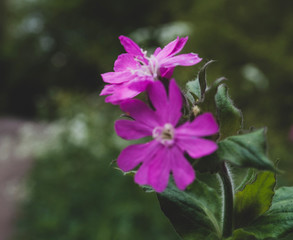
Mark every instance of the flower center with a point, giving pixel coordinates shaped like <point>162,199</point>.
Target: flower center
<point>165,134</point>
<point>149,68</point>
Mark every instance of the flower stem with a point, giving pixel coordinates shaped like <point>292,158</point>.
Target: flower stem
<point>228,201</point>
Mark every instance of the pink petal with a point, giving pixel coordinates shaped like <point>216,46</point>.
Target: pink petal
<point>188,59</point>
<point>140,83</point>
<point>172,48</point>
<point>125,62</point>
<point>140,112</point>
<point>203,125</point>
<point>159,99</point>
<point>175,102</point>
<point>130,130</point>
<point>166,72</point>
<point>182,170</point>
<point>117,77</point>
<point>167,50</point>
<point>157,51</point>
<point>179,46</point>
<point>132,155</point>
<point>130,46</point>
<point>108,89</point>
<point>156,172</point>
<point>121,93</point>
<point>197,147</point>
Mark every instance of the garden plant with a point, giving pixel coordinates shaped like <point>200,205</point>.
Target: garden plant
<point>212,176</point>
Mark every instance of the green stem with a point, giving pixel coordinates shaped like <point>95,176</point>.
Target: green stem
<point>228,201</point>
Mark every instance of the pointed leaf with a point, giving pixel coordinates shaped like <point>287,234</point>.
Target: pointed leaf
<point>202,78</point>
<point>230,117</point>
<point>247,150</point>
<point>255,199</point>
<point>209,103</point>
<point>196,213</point>
<point>277,222</point>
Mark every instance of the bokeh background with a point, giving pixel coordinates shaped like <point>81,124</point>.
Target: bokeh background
<point>59,133</point>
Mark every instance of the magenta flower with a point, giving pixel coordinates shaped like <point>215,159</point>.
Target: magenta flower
<point>164,154</point>
<point>134,70</point>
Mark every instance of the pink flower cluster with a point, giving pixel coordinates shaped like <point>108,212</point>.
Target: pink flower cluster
<point>134,72</point>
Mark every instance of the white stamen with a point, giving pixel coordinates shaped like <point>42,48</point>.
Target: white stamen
<point>165,134</point>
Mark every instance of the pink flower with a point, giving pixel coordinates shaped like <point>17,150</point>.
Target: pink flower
<point>164,154</point>
<point>134,70</point>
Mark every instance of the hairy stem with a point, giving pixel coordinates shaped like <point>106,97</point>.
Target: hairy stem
<point>228,201</point>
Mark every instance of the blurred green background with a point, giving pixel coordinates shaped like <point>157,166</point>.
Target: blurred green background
<point>52,53</point>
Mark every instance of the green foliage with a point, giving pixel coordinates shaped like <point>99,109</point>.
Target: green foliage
<point>246,150</point>
<point>278,221</point>
<point>230,118</point>
<point>254,200</point>
<point>195,214</point>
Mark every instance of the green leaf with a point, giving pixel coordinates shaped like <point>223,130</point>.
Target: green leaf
<point>230,118</point>
<point>195,213</point>
<point>249,178</point>
<point>198,86</point>
<point>247,150</point>
<point>240,234</point>
<point>277,222</point>
<point>202,78</point>
<point>193,87</point>
<point>209,103</point>
<point>255,199</point>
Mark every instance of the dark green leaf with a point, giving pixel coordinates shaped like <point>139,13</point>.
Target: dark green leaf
<point>209,103</point>
<point>202,78</point>
<point>249,178</point>
<point>240,234</point>
<point>198,86</point>
<point>277,222</point>
<point>230,117</point>
<point>210,163</point>
<point>247,150</point>
<point>255,199</point>
<point>195,213</point>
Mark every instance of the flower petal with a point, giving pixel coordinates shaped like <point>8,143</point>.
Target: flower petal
<point>179,46</point>
<point>117,77</point>
<point>129,129</point>
<point>158,49</point>
<point>140,83</point>
<point>188,59</point>
<point>166,72</point>
<point>140,112</point>
<point>156,172</point>
<point>108,89</point>
<point>132,155</point>
<point>172,48</point>
<point>175,102</point>
<point>125,62</point>
<point>182,170</point>
<point>197,147</point>
<point>203,125</point>
<point>130,46</point>
<point>159,99</point>
<point>121,93</point>
<point>167,50</point>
